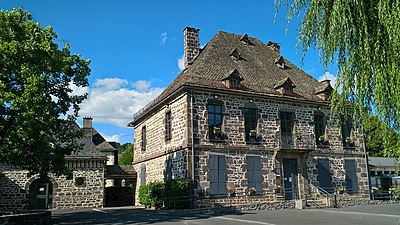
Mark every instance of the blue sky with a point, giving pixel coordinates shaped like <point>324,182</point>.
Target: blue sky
<point>135,46</point>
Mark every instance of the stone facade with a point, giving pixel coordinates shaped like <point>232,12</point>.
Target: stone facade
<point>274,149</point>
<point>15,187</point>
<point>235,148</point>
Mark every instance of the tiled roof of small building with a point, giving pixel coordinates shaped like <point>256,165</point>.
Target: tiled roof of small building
<point>93,144</point>
<point>257,66</point>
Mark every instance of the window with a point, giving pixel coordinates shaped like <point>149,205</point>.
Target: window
<point>319,127</point>
<point>233,82</point>
<point>79,181</point>
<point>143,144</point>
<point>347,129</point>
<point>168,126</point>
<point>143,174</point>
<point>287,89</point>
<point>250,124</point>
<point>254,177</point>
<point>286,123</point>
<point>214,121</point>
<point>217,175</point>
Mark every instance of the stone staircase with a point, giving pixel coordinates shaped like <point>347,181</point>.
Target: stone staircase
<point>316,204</point>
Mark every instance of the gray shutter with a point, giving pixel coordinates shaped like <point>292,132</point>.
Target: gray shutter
<point>250,172</point>
<point>143,174</point>
<point>213,174</point>
<point>257,175</point>
<point>351,176</point>
<point>221,175</point>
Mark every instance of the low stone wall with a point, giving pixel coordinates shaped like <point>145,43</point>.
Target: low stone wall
<point>37,218</point>
<point>361,202</point>
<point>234,201</point>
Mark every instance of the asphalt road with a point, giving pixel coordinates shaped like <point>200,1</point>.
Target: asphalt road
<point>358,215</point>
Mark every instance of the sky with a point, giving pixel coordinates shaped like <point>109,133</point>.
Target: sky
<point>136,47</point>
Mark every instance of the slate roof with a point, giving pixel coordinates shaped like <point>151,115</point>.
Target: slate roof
<point>256,65</point>
<point>120,171</point>
<point>382,162</point>
<point>93,144</point>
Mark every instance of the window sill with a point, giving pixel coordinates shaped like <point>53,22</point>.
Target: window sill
<point>217,141</point>
<point>253,142</point>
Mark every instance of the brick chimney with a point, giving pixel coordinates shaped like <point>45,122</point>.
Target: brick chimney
<point>87,122</point>
<point>191,44</point>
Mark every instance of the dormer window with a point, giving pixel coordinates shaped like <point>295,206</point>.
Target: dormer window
<point>288,89</point>
<point>245,39</point>
<point>285,86</point>
<point>234,82</point>
<point>324,91</point>
<point>235,54</point>
<point>233,79</point>
<point>280,62</point>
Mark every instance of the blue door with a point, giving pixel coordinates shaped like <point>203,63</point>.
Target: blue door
<point>290,178</point>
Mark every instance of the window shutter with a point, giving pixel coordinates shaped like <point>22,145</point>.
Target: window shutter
<point>257,175</point>
<point>221,175</point>
<point>213,175</point>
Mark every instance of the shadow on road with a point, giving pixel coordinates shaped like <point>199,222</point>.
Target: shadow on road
<point>137,216</point>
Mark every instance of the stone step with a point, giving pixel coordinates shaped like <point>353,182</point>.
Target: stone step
<point>316,204</point>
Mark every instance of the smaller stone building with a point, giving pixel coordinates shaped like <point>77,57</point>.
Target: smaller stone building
<point>84,189</point>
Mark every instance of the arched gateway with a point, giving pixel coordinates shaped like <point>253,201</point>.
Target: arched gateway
<point>41,194</point>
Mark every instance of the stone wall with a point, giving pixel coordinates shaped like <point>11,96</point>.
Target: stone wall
<point>234,145</point>
<point>157,145</point>
<point>236,169</point>
<point>15,184</point>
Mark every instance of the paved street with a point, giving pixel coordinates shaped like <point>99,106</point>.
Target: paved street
<point>359,215</point>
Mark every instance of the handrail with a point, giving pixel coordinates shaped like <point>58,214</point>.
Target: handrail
<point>329,196</point>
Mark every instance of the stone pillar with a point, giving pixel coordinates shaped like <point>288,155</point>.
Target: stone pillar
<point>191,44</point>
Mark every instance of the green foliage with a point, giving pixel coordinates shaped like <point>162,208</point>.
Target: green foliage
<point>376,144</point>
<point>155,193</point>
<point>176,188</point>
<point>363,38</point>
<point>127,155</point>
<point>35,95</point>
<point>152,194</point>
<point>395,192</point>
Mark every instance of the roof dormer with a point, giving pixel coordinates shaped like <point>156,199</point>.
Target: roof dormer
<point>285,86</point>
<point>274,46</point>
<point>280,62</point>
<point>324,91</point>
<point>245,39</point>
<point>235,54</point>
<point>233,79</point>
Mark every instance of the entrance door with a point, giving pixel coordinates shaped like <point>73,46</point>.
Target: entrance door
<point>41,194</point>
<point>290,178</point>
<point>324,175</point>
<point>351,176</point>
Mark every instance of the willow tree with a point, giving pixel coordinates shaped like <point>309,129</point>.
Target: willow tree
<point>361,37</point>
<point>36,74</point>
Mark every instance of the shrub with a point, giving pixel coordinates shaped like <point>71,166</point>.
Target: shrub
<point>395,193</point>
<point>177,193</point>
<point>152,194</point>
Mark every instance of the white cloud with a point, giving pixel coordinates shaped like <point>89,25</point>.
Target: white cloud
<point>142,85</point>
<point>328,76</point>
<point>114,137</point>
<point>163,38</point>
<point>112,103</point>
<point>181,63</point>
<point>110,83</point>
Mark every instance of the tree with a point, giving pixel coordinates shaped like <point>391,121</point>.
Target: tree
<point>363,38</point>
<point>35,95</point>
<point>374,138</point>
<point>127,155</point>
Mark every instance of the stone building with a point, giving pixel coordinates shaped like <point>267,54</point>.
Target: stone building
<point>242,116</point>
<point>84,189</point>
